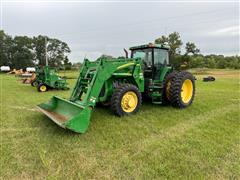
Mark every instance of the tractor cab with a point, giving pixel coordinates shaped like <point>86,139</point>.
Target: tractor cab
<point>154,57</point>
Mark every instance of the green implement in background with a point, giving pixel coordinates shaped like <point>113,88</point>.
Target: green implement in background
<point>47,78</point>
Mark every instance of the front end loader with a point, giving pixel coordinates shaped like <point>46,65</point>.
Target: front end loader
<point>122,83</point>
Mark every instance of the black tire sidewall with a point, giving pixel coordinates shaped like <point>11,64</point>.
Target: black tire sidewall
<point>168,78</point>
<point>176,86</point>
<point>34,83</point>
<point>117,98</point>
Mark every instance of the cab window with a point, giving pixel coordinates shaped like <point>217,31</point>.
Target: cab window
<point>160,57</point>
<point>145,55</point>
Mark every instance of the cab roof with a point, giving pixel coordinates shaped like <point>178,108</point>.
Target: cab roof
<point>150,45</point>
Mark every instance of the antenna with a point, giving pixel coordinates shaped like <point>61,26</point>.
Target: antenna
<point>46,51</point>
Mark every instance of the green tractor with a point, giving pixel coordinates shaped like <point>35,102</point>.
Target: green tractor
<point>47,78</point>
<point>122,83</point>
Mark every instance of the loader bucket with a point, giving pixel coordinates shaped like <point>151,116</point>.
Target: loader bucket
<point>67,114</point>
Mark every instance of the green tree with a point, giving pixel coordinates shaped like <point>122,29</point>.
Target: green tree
<point>67,64</point>
<point>210,62</point>
<point>22,52</point>
<point>191,48</point>
<point>197,61</point>
<point>39,46</point>
<point>76,66</point>
<point>6,44</point>
<point>173,40</point>
<point>106,56</point>
<point>235,62</point>
<point>220,60</point>
<point>56,50</point>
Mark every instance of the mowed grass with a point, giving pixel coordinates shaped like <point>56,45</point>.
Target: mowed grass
<point>159,142</point>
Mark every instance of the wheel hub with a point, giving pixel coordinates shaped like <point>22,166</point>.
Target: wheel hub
<point>43,88</point>
<point>129,101</point>
<point>187,91</point>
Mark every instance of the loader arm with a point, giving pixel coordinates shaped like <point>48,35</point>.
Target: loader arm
<point>93,76</point>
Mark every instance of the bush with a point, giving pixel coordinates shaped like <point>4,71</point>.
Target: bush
<point>208,61</point>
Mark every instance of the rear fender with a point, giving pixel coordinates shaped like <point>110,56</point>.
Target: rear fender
<point>164,72</point>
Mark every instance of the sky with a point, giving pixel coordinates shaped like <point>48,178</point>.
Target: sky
<point>92,28</point>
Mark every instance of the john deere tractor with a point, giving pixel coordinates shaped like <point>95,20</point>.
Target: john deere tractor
<point>122,83</point>
<point>47,78</point>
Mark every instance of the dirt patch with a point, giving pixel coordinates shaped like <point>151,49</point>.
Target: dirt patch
<point>55,116</point>
<point>23,108</point>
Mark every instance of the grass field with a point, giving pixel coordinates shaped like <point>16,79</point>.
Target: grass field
<point>200,142</point>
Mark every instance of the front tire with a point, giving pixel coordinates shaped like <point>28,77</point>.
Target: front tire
<point>42,87</point>
<point>126,100</point>
<point>182,90</point>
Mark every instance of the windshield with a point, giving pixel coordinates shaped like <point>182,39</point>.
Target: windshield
<point>145,55</point>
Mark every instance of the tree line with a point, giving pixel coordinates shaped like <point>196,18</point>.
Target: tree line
<point>192,58</point>
<point>23,51</point>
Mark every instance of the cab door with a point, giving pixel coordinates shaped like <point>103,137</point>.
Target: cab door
<point>161,60</point>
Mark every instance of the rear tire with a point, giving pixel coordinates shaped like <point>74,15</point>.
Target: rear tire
<point>42,87</point>
<point>182,90</point>
<point>34,83</point>
<point>166,88</point>
<point>126,100</point>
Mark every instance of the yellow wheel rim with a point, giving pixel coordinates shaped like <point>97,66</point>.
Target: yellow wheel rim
<point>129,101</point>
<point>187,91</point>
<point>43,88</point>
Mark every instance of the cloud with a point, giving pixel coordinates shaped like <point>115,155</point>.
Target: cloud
<point>92,29</point>
<point>226,31</point>
<point>78,56</point>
